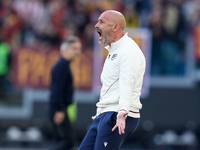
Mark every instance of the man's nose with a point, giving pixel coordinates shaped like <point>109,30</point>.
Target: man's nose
<point>96,25</point>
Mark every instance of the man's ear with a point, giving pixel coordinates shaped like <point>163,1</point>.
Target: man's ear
<point>115,27</point>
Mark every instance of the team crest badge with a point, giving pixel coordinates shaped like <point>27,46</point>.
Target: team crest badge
<point>114,56</point>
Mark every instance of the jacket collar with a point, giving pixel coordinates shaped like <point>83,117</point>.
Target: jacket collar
<point>116,44</point>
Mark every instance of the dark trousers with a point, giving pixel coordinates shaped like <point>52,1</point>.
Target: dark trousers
<point>63,133</point>
<point>100,135</point>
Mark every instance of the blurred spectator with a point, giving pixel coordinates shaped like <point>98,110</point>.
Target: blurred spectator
<point>132,17</point>
<point>191,10</point>
<point>77,17</point>
<point>11,24</point>
<point>61,94</point>
<point>38,25</point>
<point>32,11</point>
<point>57,10</point>
<point>4,66</point>
<point>155,25</point>
<point>88,42</point>
<point>168,43</point>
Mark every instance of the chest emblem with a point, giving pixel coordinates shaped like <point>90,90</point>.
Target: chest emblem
<point>114,56</point>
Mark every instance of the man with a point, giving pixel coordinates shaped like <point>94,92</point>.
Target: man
<point>122,77</point>
<point>62,90</point>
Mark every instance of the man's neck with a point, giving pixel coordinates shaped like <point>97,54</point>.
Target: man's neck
<point>117,37</point>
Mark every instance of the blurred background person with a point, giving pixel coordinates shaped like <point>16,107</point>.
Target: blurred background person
<point>5,59</point>
<point>61,97</point>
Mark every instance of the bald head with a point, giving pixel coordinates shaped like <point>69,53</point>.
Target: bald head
<point>110,26</point>
<point>115,17</point>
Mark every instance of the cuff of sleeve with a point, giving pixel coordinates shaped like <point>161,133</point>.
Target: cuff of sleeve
<point>124,109</point>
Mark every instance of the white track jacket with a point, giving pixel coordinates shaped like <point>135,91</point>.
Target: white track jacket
<point>122,78</point>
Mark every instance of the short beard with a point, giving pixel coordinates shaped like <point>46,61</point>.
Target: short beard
<point>103,42</point>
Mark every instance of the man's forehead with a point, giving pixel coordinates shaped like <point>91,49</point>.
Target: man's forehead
<point>105,16</point>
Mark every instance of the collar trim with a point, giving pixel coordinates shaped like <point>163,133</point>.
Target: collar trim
<point>116,44</point>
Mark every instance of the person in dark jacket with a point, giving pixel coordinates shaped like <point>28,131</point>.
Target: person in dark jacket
<point>61,94</point>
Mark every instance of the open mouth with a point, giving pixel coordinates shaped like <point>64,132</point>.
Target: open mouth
<point>99,32</point>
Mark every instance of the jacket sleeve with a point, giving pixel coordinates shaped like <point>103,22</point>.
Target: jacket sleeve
<point>130,65</point>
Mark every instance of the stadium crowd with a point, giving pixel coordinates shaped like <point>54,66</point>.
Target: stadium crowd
<point>46,23</point>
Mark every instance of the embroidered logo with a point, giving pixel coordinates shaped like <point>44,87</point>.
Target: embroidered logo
<point>114,56</point>
<point>105,144</point>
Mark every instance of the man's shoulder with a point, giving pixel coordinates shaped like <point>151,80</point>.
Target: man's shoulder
<point>130,49</point>
<point>60,64</point>
<point>129,46</point>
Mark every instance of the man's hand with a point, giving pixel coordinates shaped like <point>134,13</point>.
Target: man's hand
<point>121,122</point>
<point>93,117</point>
<point>59,117</point>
